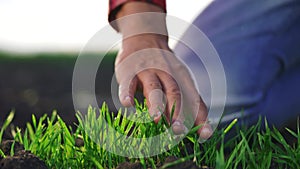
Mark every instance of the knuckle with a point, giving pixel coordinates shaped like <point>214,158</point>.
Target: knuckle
<point>154,85</point>
<point>174,90</point>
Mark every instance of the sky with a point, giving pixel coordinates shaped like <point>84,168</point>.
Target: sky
<point>65,25</point>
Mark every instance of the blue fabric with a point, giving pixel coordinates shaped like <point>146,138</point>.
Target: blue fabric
<point>259,45</point>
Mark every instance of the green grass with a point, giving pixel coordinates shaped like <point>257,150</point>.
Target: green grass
<point>54,142</point>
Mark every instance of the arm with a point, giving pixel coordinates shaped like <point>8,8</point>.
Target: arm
<point>164,82</point>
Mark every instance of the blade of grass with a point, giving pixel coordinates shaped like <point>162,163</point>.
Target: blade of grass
<point>230,126</point>
<point>6,123</point>
<point>2,154</point>
<point>12,148</point>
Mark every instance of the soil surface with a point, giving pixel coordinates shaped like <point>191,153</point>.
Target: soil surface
<point>184,165</point>
<point>21,159</point>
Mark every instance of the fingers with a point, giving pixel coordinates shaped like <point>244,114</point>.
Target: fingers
<point>153,93</point>
<point>127,89</point>
<point>205,132</point>
<point>173,95</point>
<point>201,119</point>
<point>198,109</point>
<point>192,102</point>
<point>175,81</point>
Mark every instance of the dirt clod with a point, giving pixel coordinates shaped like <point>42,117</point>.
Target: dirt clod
<point>129,165</point>
<point>6,146</point>
<point>21,159</point>
<point>183,165</point>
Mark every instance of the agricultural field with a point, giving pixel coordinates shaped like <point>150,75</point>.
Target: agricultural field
<point>41,129</point>
<point>59,146</point>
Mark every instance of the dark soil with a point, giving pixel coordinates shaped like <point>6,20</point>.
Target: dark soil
<point>129,165</point>
<point>184,165</point>
<point>25,160</point>
<point>21,159</point>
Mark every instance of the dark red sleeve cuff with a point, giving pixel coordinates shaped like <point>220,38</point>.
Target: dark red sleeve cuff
<point>115,5</point>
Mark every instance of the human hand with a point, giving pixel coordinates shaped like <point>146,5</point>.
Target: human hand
<point>147,63</point>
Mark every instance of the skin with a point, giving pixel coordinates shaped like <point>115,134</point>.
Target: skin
<point>160,81</point>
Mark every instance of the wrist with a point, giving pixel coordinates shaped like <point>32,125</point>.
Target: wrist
<point>136,43</point>
<point>139,17</point>
<point>146,40</point>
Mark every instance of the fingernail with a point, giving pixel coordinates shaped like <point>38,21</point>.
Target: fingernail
<point>177,123</point>
<point>129,100</point>
<point>179,128</point>
<point>207,131</point>
<point>157,115</point>
<point>185,129</point>
<point>205,134</point>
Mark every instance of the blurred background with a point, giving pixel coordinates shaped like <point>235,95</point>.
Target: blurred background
<point>39,43</point>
